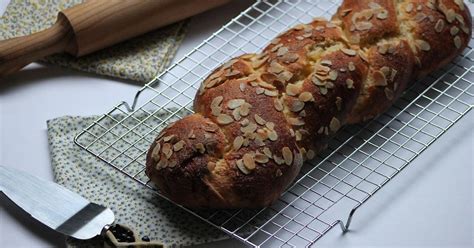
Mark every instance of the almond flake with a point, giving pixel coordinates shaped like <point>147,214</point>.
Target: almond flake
<point>351,66</point>
<point>297,106</point>
<point>282,51</point>
<point>363,25</point>
<point>454,30</point>
<point>216,111</point>
<point>261,158</point>
<point>439,25</point>
<point>273,135</point>
<point>450,15</point>
<point>259,62</point>
<point>374,5</point>
<point>249,161</point>
<point>278,160</point>
<point>250,128</point>
<point>242,87</point>
<point>382,49</point>
<point>210,128</point>
<point>350,83</point>
<point>419,17</point>
<point>345,12</point>
<point>310,154</point>
<point>298,135</point>
<point>267,152</point>
<point>161,164</point>
<point>379,79</point>
<point>238,141</point>
<point>460,18</point>
<point>326,62</point>
<point>423,45</point>
<point>278,105</point>
<point>299,27</point>
<point>306,97</point>
<point>316,81</point>
<point>236,114</point>
<point>167,150</point>
<point>385,70</point>
<point>270,125</point>
<point>285,76</point>
<point>298,161</point>
<point>241,167</point>
<point>266,85</point>
<point>320,130</point>
<point>349,52</point>
<point>259,120</point>
<point>323,91</point>
<point>287,155</point>
<point>191,134</point>
<point>213,82</point>
<point>259,90</point>
<point>460,4</point>
<point>393,74</point>
<point>363,56</point>
<point>155,154</point>
<point>290,58</point>
<point>169,138</point>
<point>245,109</point>
<point>334,125</point>
<point>217,101</point>
<point>292,89</point>
<point>388,93</point>
<point>179,145</point>
<point>224,119</point>
<point>457,42</point>
<point>235,103</point>
<point>271,93</point>
<point>355,39</point>
<point>382,15</point>
<point>295,121</point>
<point>333,75</point>
<point>275,48</point>
<point>409,7</point>
<point>292,132</point>
<point>321,69</point>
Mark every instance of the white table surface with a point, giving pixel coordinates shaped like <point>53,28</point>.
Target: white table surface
<point>429,204</point>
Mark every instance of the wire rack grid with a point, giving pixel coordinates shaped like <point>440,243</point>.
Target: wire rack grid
<point>358,162</point>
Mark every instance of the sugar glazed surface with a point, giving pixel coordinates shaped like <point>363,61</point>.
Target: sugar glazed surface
<point>260,116</point>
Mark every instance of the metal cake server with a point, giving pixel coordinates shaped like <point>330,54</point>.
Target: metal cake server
<point>67,212</point>
<point>55,206</point>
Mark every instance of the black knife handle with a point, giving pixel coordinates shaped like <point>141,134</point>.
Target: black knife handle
<point>123,236</point>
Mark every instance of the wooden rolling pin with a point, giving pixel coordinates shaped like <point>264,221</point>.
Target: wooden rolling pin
<point>96,24</point>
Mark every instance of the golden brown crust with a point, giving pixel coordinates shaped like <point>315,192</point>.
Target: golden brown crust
<point>259,116</point>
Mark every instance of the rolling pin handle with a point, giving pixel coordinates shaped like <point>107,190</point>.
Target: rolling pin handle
<point>18,52</point>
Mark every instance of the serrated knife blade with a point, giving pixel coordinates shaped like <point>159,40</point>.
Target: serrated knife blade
<point>54,205</point>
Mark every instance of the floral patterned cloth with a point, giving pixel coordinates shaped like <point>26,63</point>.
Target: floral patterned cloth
<point>133,204</point>
<point>139,59</point>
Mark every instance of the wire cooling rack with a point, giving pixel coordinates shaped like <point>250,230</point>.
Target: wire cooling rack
<point>329,189</point>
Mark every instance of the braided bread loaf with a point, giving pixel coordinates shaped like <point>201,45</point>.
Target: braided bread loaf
<point>260,116</point>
